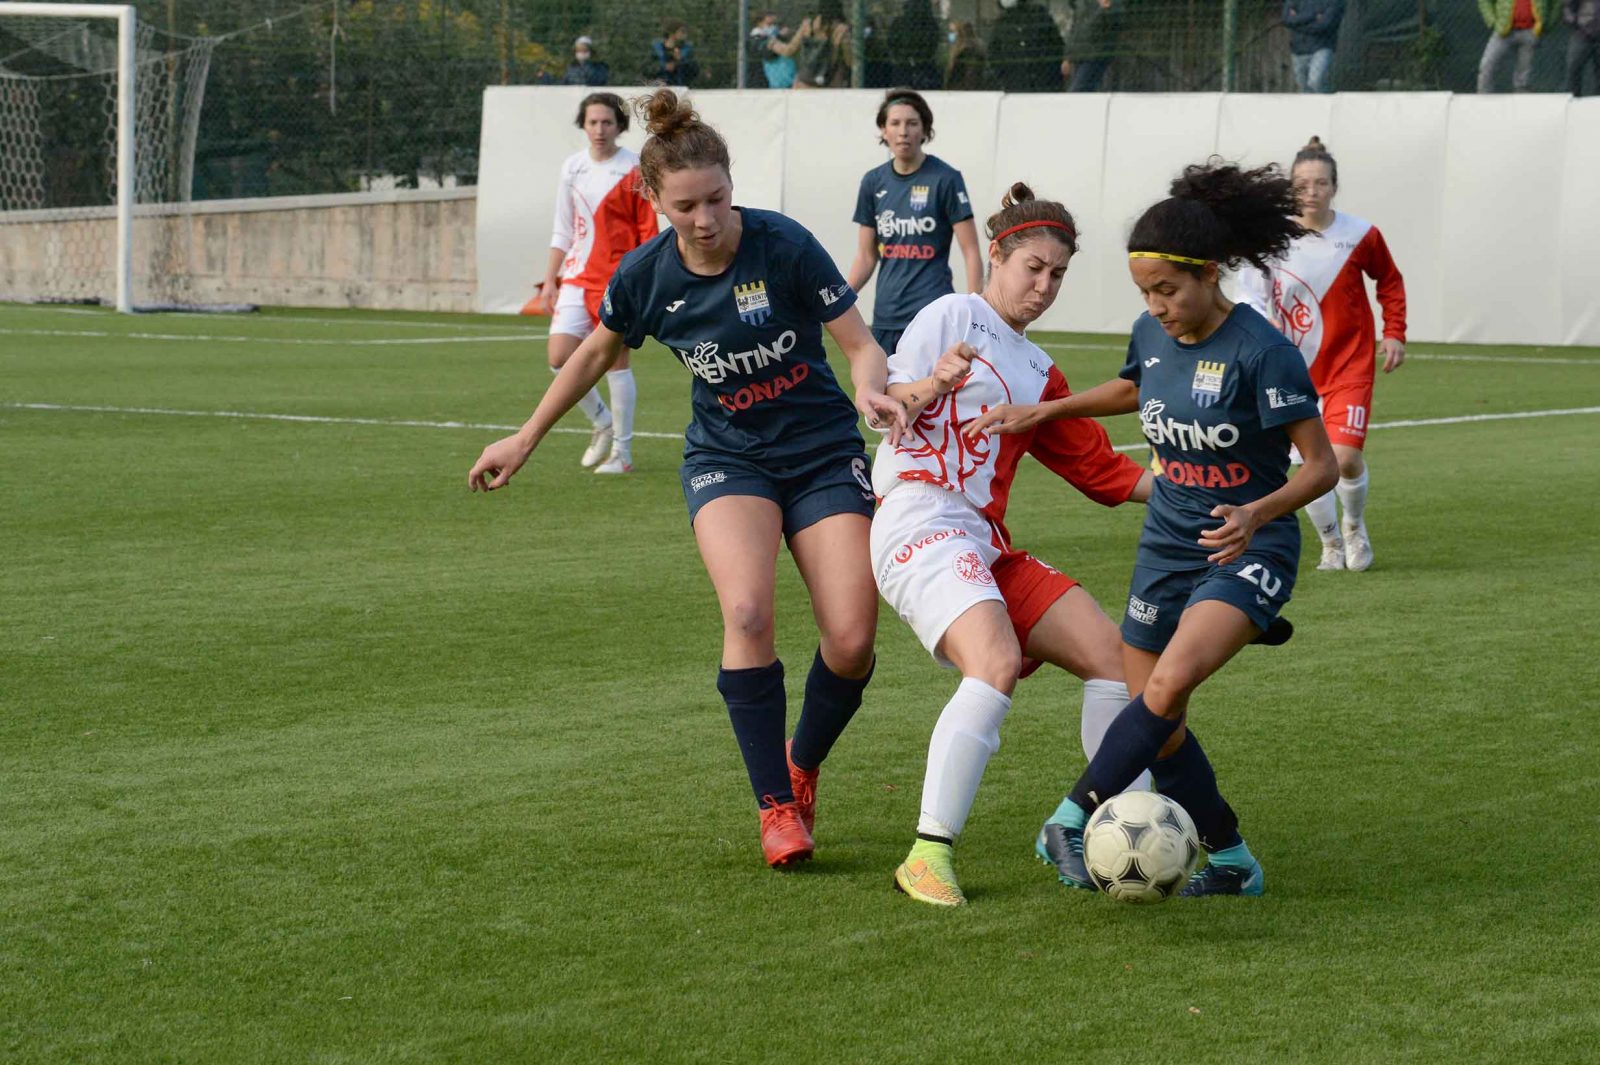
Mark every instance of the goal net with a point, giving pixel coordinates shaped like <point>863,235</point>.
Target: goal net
<point>64,71</point>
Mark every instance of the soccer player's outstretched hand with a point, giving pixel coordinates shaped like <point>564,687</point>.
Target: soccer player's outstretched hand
<point>1394,353</point>
<point>1231,538</point>
<point>953,367</point>
<point>1005,418</point>
<point>497,463</point>
<point>882,413</point>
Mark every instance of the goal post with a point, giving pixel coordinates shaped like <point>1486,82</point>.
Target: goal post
<point>126,72</point>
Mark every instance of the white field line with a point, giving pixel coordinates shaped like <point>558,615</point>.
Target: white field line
<point>315,341</point>
<point>319,419</point>
<point>1421,356</point>
<point>312,319</point>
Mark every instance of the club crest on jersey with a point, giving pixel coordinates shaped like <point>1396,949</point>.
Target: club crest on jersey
<point>919,197</point>
<point>1207,387</point>
<point>751,300</point>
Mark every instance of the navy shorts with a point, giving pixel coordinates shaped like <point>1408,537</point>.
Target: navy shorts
<point>1257,584</point>
<point>888,339</point>
<point>837,482</point>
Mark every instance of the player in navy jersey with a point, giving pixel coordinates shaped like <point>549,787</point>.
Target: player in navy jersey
<point>1221,395</point>
<point>908,210</point>
<point>772,452</point>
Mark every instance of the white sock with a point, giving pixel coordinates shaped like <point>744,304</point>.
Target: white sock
<point>624,393</point>
<point>967,734</point>
<point>1353,497</point>
<point>1324,514</point>
<point>592,405</point>
<point>1102,701</point>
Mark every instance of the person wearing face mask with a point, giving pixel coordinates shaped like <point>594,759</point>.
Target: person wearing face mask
<point>1025,48</point>
<point>585,68</point>
<point>772,453</point>
<point>966,69</point>
<point>940,550</point>
<point>1221,396</point>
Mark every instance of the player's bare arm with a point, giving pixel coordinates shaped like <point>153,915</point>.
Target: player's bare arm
<point>1116,396</point>
<point>866,258</point>
<point>1315,477</point>
<point>503,458</point>
<point>967,236</point>
<point>869,370</point>
<point>953,367</point>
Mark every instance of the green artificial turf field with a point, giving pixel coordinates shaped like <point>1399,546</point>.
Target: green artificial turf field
<point>308,755</point>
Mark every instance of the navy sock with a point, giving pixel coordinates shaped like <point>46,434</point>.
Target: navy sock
<point>1188,780</point>
<point>831,701</point>
<point>1130,745</point>
<point>756,706</point>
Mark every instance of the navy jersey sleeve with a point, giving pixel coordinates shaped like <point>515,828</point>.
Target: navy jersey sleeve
<point>1130,366</point>
<point>1283,386</point>
<point>865,215</point>
<point>953,199</point>
<point>820,288</point>
<point>619,312</point>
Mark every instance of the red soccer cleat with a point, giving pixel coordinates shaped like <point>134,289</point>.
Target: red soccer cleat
<point>784,838</point>
<point>803,782</point>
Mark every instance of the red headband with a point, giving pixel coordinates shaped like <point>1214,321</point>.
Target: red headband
<point>1071,233</point>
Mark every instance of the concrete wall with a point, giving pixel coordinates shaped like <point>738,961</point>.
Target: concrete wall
<point>403,250</point>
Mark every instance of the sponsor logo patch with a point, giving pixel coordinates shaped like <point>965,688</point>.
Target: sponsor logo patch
<point>1141,611</point>
<point>970,567</point>
<point>1278,398</point>
<point>706,480</point>
<point>1207,386</point>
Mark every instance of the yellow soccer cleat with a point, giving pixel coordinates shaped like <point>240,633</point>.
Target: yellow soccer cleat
<point>929,876</point>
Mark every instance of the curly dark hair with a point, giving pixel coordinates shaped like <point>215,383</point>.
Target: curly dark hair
<point>1222,213</point>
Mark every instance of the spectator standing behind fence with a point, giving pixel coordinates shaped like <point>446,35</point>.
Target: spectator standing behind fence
<point>1583,50</point>
<point>1025,48</point>
<point>672,59</point>
<point>1512,24</point>
<point>913,42</point>
<point>966,69</point>
<point>585,69</point>
<point>768,69</point>
<point>820,49</point>
<point>1093,43</point>
<point>1313,32</point>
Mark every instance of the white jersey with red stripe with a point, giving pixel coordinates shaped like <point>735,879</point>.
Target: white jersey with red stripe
<point>601,215</point>
<point>1008,368</point>
<point>1317,297</point>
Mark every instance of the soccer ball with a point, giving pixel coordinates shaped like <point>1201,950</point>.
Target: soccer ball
<point>1140,847</point>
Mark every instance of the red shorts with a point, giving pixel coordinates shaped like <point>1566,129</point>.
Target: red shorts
<point>1345,410</point>
<point>1031,587</point>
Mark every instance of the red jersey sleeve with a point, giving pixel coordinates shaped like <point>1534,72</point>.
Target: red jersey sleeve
<point>1078,451</point>
<point>1379,265</point>
<point>645,214</point>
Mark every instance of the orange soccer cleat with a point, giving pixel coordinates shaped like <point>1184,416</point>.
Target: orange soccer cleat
<point>784,837</point>
<point>804,784</point>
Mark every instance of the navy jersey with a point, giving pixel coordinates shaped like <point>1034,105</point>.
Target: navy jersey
<point>1214,413</point>
<point>751,335</point>
<point>915,215</point>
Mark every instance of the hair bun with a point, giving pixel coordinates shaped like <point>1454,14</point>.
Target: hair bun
<point>665,114</point>
<point>1017,193</point>
<point>1314,145</point>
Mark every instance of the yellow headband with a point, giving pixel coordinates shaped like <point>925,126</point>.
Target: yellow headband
<point>1169,258</point>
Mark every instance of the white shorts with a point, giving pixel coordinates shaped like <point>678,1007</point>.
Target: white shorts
<point>571,316</point>
<point>932,552</point>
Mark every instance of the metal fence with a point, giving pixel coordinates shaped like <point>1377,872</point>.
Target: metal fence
<point>341,95</point>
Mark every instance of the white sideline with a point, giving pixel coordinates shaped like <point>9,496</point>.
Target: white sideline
<point>317,341</point>
<point>320,419</point>
<point>1421,356</point>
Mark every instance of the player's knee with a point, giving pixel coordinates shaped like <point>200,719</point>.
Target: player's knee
<point>999,668</point>
<point>849,652</point>
<point>748,620</point>
<point>1351,464</point>
<point>1167,691</point>
<point>557,360</point>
